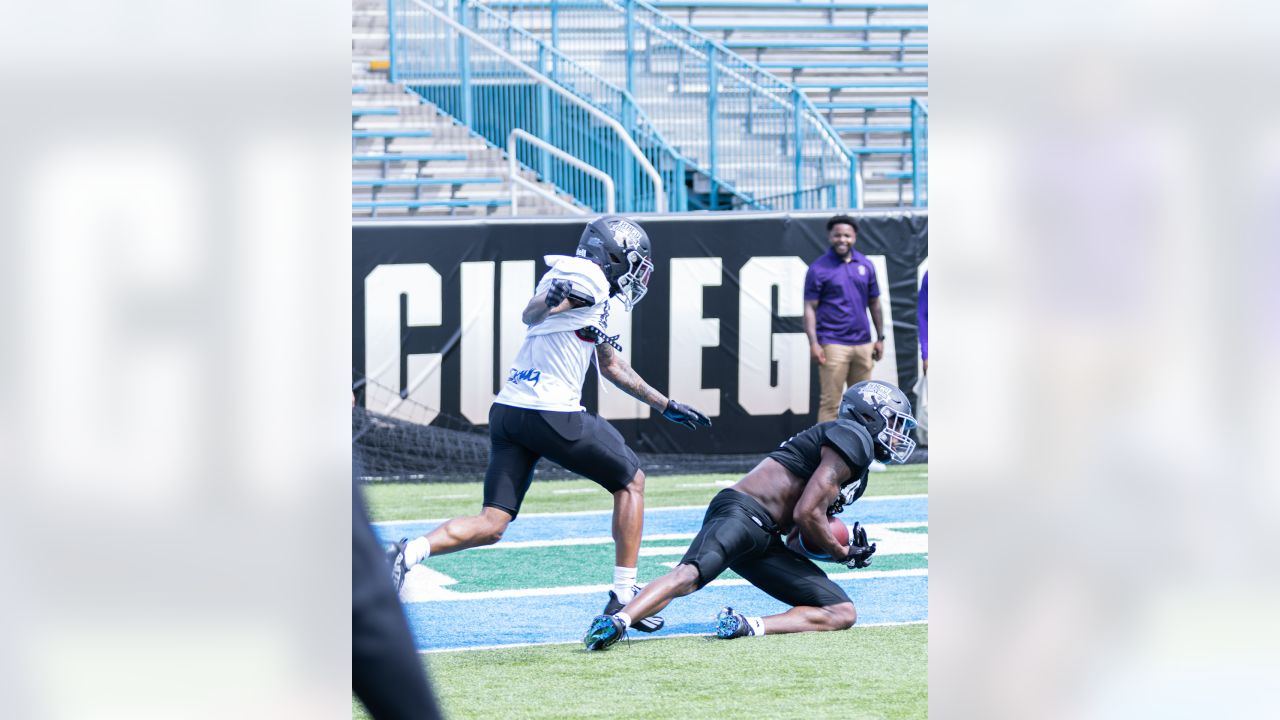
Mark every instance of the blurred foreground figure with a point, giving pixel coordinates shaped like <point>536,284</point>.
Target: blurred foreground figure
<point>386,673</point>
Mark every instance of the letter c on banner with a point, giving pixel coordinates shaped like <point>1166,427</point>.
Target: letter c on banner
<point>382,290</point>
<point>759,347</point>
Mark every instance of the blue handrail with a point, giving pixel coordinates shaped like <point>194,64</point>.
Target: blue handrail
<point>749,129</point>
<point>505,80</point>
<point>919,153</point>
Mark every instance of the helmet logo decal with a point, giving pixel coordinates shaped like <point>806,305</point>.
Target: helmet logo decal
<point>625,233</point>
<point>875,392</point>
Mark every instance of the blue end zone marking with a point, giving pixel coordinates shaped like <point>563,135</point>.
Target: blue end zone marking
<point>657,521</point>
<point>563,618</point>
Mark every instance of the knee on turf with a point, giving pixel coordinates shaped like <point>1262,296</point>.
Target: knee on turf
<point>840,617</point>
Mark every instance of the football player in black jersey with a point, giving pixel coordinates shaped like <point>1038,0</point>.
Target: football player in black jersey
<point>809,478</point>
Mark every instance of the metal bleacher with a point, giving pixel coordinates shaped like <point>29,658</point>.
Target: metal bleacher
<point>407,158</point>
<point>861,65</point>
<point>860,69</point>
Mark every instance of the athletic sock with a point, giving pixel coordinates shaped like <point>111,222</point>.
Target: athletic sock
<point>624,579</point>
<point>416,551</point>
<point>625,618</point>
<point>756,624</point>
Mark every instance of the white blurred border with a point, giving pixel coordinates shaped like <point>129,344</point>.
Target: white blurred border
<point>176,429</point>
<point>1102,483</point>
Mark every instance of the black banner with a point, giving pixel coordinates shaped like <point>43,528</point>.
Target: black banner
<point>436,308</point>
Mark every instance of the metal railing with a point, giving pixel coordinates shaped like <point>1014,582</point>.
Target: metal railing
<point>919,153</point>
<point>757,140</point>
<point>494,78</point>
<point>518,135</point>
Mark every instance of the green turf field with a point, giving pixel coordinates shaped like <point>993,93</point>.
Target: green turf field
<point>415,501</point>
<point>864,672</point>
<point>874,672</point>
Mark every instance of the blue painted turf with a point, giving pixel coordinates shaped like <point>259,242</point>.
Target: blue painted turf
<point>458,624</point>
<point>563,618</point>
<point>657,521</point>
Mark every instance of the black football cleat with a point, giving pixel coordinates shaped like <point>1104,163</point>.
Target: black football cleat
<point>731,624</point>
<point>605,630</point>
<point>395,556</point>
<point>648,625</point>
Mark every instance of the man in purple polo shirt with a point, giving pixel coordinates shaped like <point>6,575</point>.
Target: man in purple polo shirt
<point>839,289</point>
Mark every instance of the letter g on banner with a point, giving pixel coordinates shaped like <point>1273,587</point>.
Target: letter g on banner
<point>759,347</point>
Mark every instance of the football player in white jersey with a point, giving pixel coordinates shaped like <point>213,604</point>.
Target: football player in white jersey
<point>539,411</point>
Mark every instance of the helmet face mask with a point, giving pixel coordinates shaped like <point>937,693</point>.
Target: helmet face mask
<point>886,413</point>
<point>633,285</point>
<point>621,248</point>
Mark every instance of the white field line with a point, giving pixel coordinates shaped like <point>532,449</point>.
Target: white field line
<point>637,636</point>
<point>572,513</point>
<point>605,539</point>
<point>574,491</point>
<point>717,483</point>
<point>568,513</point>
<point>430,588</point>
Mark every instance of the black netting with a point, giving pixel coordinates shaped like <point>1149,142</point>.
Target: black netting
<point>410,443</point>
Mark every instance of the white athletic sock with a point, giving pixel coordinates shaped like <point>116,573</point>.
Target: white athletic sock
<point>624,578</point>
<point>625,618</point>
<point>416,551</point>
<point>757,625</point>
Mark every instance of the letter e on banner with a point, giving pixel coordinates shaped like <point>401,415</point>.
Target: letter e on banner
<point>690,332</point>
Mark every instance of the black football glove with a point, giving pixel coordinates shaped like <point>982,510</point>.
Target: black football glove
<point>558,291</point>
<point>860,551</point>
<point>562,289</point>
<point>685,415</point>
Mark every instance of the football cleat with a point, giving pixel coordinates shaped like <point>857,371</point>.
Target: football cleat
<point>648,625</point>
<point>395,556</point>
<point>605,630</point>
<point>731,624</point>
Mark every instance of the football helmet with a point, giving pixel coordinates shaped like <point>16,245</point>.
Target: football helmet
<point>886,413</point>
<point>621,248</point>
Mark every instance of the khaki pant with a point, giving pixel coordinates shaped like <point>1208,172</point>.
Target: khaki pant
<point>846,365</point>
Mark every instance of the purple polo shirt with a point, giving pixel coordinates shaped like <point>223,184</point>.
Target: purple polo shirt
<point>842,290</point>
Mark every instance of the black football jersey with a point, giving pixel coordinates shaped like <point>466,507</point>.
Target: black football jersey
<point>802,453</point>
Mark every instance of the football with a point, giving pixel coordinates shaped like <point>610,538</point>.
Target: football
<point>838,529</point>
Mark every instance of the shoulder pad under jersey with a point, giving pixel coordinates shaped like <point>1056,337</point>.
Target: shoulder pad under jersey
<point>852,442</point>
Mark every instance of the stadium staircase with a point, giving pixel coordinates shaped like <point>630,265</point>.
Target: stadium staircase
<point>863,66</point>
<point>736,122</point>
<point>408,159</point>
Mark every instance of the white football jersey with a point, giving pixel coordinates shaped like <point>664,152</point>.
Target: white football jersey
<point>552,363</point>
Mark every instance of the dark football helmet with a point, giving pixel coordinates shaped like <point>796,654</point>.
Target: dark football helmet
<point>885,412</point>
<point>621,248</point>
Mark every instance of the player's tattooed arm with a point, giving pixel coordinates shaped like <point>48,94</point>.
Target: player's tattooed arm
<point>810,513</point>
<point>621,373</point>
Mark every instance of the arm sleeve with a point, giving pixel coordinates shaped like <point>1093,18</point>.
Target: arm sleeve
<point>922,316</point>
<point>873,285</point>
<point>812,287</point>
